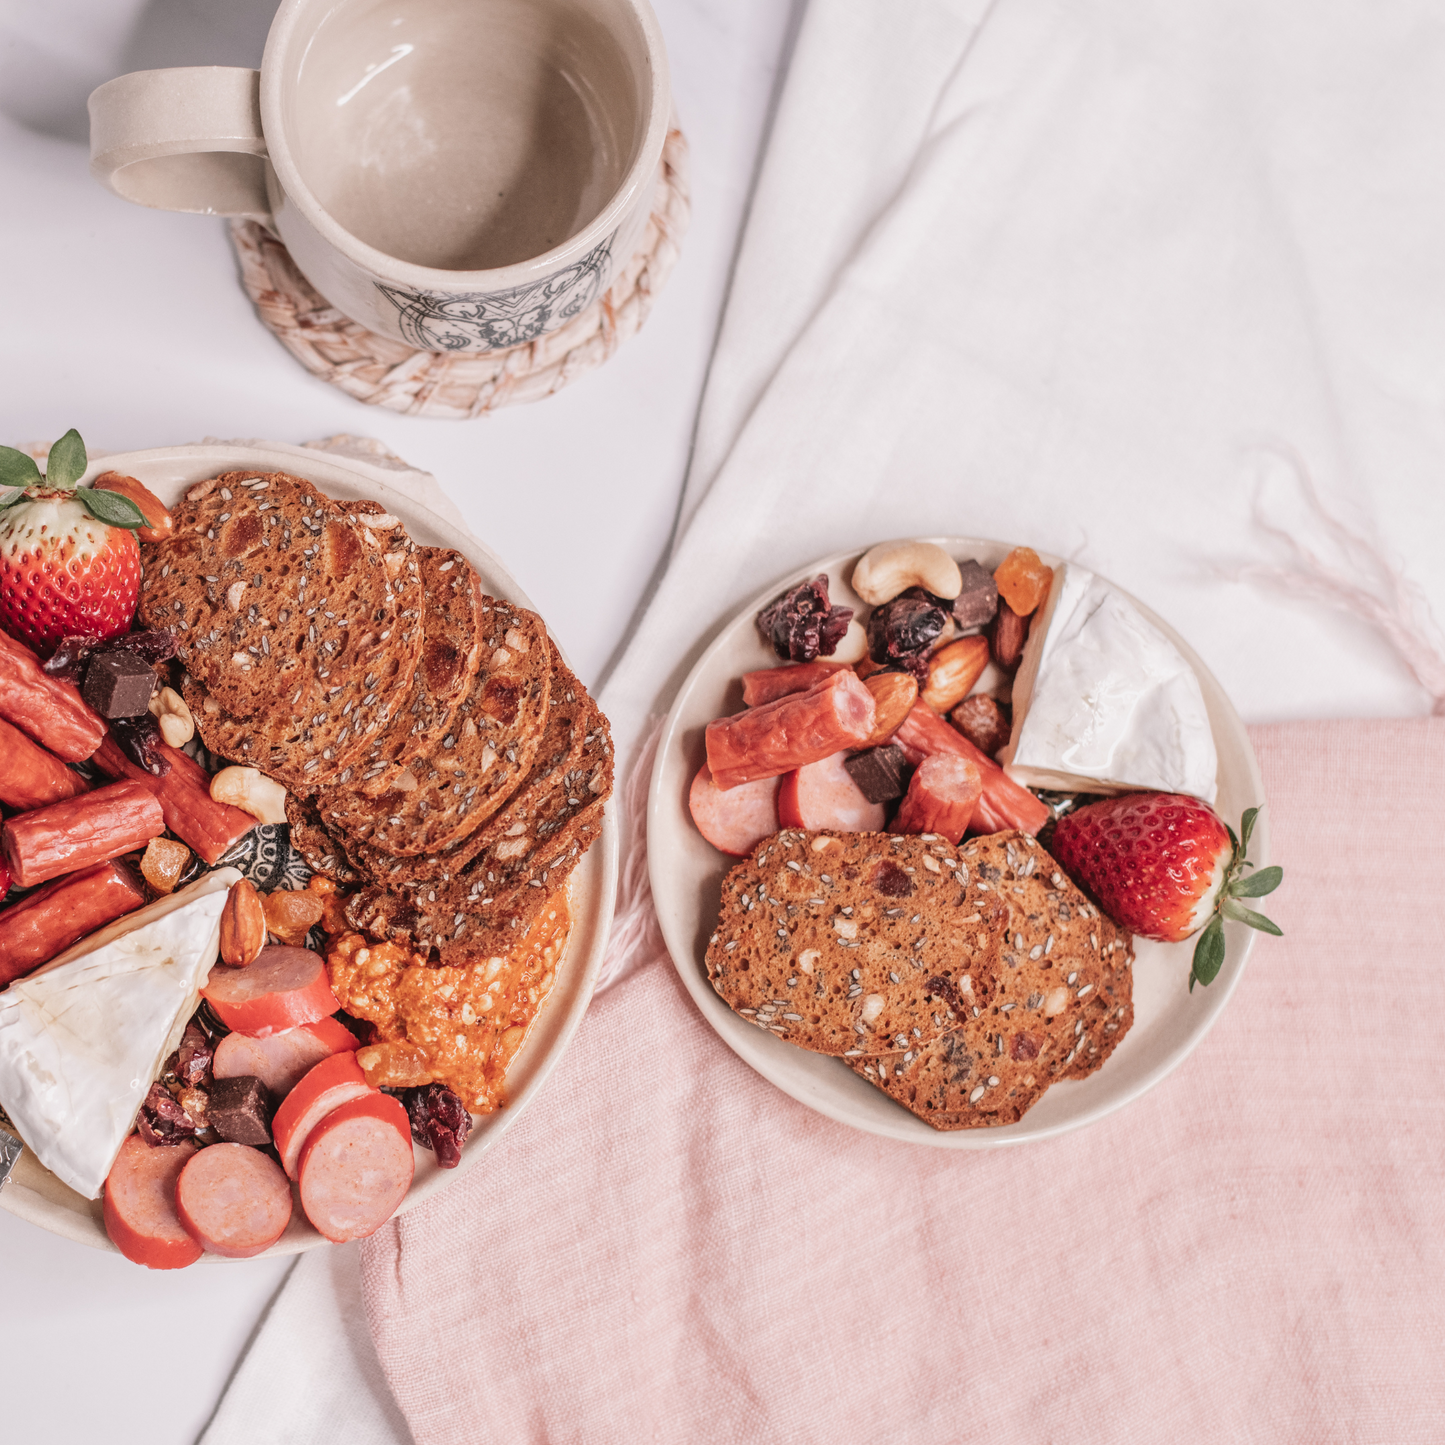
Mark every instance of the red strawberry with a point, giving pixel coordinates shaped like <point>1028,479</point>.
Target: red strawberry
<point>1164,866</point>
<point>69,565</point>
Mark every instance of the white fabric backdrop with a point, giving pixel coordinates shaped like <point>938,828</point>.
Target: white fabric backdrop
<point>1076,275</point>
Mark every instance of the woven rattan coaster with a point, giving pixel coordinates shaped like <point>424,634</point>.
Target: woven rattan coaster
<point>384,372</point>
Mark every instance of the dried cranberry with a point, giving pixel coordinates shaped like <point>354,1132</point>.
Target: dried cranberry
<point>801,625</point>
<point>69,658</point>
<point>162,1120</point>
<point>193,1057</point>
<point>139,739</point>
<point>901,632</point>
<point>154,646</point>
<point>439,1120</point>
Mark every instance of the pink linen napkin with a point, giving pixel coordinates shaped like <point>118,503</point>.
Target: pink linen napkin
<point>667,1248</point>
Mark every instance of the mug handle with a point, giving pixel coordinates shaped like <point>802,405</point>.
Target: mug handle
<point>182,140</point>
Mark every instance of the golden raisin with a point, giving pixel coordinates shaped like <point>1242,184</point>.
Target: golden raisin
<point>1023,580</point>
<point>164,862</point>
<point>290,915</point>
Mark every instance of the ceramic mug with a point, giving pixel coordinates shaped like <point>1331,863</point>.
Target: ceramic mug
<point>463,175</point>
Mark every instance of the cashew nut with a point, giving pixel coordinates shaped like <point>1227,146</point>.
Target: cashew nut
<point>252,792</point>
<point>892,567</point>
<point>177,725</point>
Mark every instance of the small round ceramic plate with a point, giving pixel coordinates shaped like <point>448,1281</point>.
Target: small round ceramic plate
<point>687,872</point>
<point>32,1192</point>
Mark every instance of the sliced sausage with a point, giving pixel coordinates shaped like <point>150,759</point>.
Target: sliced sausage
<point>185,798</point>
<point>767,741</point>
<point>140,1205</point>
<point>283,1059</point>
<point>233,1200</point>
<point>356,1167</point>
<point>770,683</point>
<point>824,795</point>
<point>43,844</point>
<point>47,708</point>
<point>30,777</point>
<point>333,1082</point>
<point>941,798</point>
<point>1004,804</point>
<point>52,918</point>
<point>736,821</point>
<point>284,988</point>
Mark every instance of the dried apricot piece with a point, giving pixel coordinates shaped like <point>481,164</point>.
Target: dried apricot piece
<point>1023,580</point>
<point>164,862</point>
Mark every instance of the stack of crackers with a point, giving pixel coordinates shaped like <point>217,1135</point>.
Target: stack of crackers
<point>440,758</point>
<point>962,981</point>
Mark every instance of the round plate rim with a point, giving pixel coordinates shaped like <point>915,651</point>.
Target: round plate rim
<point>596,878</point>
<point>751,1044</point>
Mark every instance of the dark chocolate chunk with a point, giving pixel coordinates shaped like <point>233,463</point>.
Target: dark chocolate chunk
<point>975,606</point>
<point>240,1111</point>
<point>878,773</point>
<point>118,684</point>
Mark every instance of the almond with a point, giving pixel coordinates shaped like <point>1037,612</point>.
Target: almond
<point>953,670</point>
<point>243,925</point>
<point>894,694</point>
<point>1006,637</point>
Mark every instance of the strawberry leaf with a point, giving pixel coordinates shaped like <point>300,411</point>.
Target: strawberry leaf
<point>1208,954</point>
<point>111,508</point>
<point>1241,914</point>
<point>1246,827</point>
<point>67,461</point>
<point>17,470</point>
<point>1257,884</point>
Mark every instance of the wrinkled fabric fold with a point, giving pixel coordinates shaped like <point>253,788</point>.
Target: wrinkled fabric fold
<point>666,1247</point>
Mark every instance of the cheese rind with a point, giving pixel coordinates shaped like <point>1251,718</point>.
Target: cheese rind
<point>82,1039</point>
<point>1104,702</point>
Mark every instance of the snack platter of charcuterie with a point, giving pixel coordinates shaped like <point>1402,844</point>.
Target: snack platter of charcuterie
<point>849,825</point>
<point>310,853</point>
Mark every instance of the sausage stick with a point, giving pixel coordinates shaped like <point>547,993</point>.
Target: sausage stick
<point>1004,804</point>
<point>29,776</point>
<point>767,741</point>
<point>768,684</point>
<point>47,708</point>
<point>942,798</point>
<point>47,842</point>
<point>34,930</point>
<point>185,798</point>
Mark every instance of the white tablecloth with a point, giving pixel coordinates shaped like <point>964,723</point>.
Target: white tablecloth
<point>1094,276</point>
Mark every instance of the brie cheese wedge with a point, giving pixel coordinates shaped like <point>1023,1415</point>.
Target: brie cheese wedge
<point>1104,702</point>
<point>84,1037</point>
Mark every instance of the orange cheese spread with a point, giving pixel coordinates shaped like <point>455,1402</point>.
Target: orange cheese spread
<point>459,1026</point>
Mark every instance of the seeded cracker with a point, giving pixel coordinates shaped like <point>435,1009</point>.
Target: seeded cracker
<point>287,616</point>
<point>847,943</point>
<point>569,714</point>
<point>489,746</point>
<point>1064,999</point>
<point>494,895</point>
<point>453,619</point>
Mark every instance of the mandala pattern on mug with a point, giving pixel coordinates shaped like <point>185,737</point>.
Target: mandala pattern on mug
<point>497,320</point>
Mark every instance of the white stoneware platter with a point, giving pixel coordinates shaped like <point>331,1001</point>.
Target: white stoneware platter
<point>687,872</point>
<point>32,1192</point>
